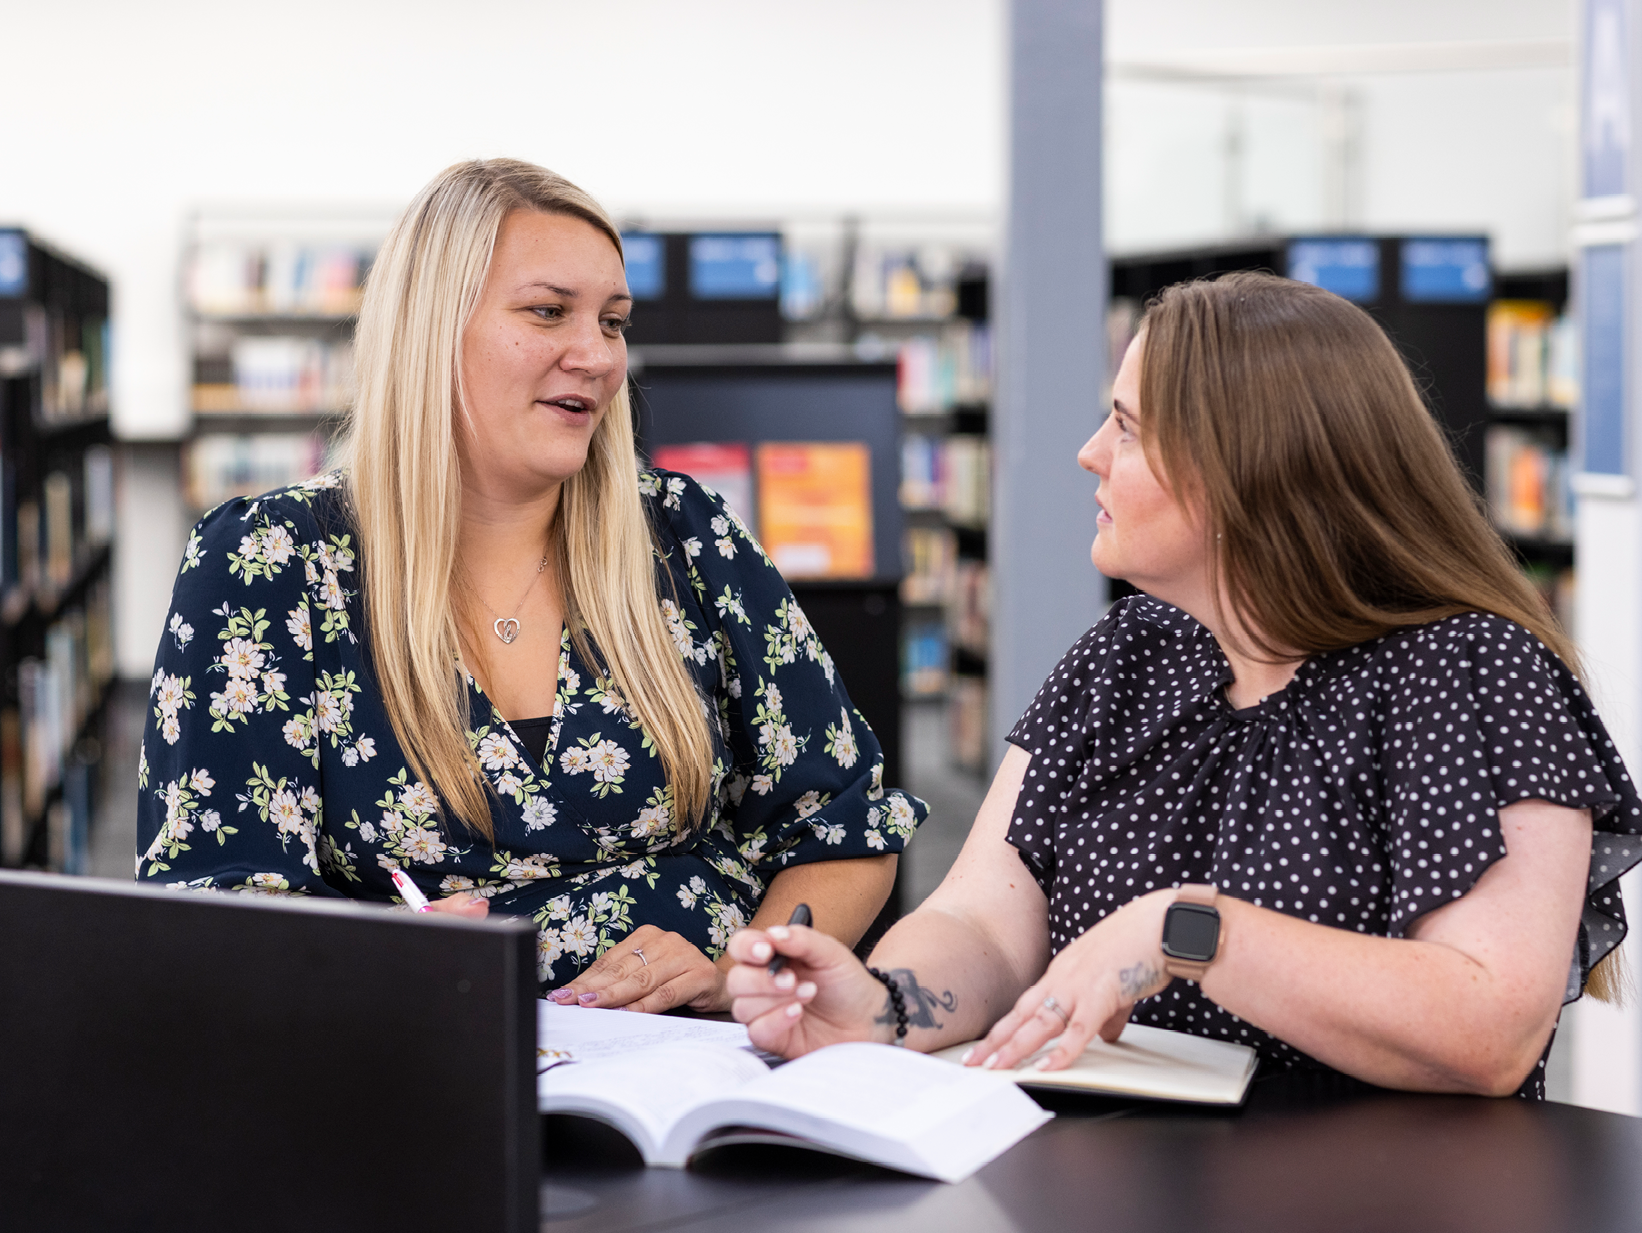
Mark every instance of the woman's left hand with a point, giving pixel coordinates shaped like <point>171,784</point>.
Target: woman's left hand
<point>1095,982</point>
<point>670,972</point>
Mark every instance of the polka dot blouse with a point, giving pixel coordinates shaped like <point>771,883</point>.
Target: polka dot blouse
<point>1365,793</point>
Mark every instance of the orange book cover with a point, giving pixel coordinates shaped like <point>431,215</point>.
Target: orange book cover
<point>815,507</point>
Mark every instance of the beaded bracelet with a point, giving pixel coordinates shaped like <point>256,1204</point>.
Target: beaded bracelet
<point>898,1001</point>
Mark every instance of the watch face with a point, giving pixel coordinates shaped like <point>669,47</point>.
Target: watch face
<point>1191,931</point>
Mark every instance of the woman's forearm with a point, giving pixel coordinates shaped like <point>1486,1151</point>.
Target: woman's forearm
<point>1398,1012</point>
<point>955,977</point>
<point>844,897</point>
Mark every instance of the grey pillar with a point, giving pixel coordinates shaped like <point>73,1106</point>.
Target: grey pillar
<point>1052,352</point>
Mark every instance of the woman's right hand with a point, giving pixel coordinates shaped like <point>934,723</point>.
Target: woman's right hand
<point>463,903</point>
<point>822,997</point>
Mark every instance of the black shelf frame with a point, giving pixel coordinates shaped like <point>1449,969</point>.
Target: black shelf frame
<point>74,298</point>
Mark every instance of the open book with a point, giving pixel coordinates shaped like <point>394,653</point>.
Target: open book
<point>872,1102</point>
<point>1145,1061</point>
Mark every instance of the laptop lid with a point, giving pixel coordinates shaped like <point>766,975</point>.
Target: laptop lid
<point>226,1061</point>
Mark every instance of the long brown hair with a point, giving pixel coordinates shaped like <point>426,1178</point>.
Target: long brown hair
<point>1335,508</point>
<point>406,487</point>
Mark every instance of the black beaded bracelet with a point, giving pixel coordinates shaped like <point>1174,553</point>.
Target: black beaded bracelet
<point>898,1001</point>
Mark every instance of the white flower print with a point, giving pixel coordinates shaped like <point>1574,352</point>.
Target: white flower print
<point>328,712</point>
<point>675,490</point>
<point>277,545</point>
<point>549,950</point>
<point>762,784</point>
<point>497,752</point>
<point>579,937</point>
<point>608,761</point>
<point>421,844</point>
<point>784,746</point>
<point>810,803</point>
<point>574,760</point>
<point>841,743</point>
<point>301,628</point>
<point>191,555</point>
<point>419,799</point>
<point>829,832</point>
<point>210,821</point>
<point>201,782</point>
<point>538,813</point>
<point>875,841</point>
<point>298,731</point>
<point>285,812</point>
<point>724,544</point>
<point>242,658</point>
<point>367,832</point>
<point>558,908</point>
<point>692,548</point>
<point>366,748</point>
<point>509,784</point>
<point>181,631</point>
<point>451,883</point>
<point>238,696</point>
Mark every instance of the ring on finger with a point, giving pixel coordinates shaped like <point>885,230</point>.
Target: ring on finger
<point>1049,1003</point>
<point>640,954</point>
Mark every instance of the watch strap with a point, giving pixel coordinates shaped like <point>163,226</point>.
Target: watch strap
<point>1205,895</point>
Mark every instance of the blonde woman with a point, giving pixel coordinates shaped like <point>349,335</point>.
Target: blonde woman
<point>1329,788</point>
<point>500,656</point>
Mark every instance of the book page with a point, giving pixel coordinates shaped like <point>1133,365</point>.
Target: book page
<point>1145,1061</point>
<point>586,1034</point>
<point>644,1092</point>
<point>878,1103</point>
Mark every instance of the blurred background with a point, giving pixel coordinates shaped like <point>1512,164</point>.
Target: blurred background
<point>887,249</point>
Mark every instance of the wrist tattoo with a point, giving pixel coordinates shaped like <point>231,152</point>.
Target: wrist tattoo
<point>1133,982</point>
<point>921,1002</point>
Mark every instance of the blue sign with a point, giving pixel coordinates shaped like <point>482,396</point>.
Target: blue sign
<point>1602,381</point>
<point>14,264</point>
<point>1446,271</point>
<point>744,266</point>
<point>1607,100</point>
<point>646,256</point>
<point>1349,266</point>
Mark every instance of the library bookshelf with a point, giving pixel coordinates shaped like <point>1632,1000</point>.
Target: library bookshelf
<point>56,544</point>
<point>271,301</point>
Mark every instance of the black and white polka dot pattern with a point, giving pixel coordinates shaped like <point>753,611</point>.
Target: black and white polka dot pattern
<point>1363,795</point>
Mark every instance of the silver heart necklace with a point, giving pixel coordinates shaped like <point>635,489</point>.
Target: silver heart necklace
<point>508,628</point>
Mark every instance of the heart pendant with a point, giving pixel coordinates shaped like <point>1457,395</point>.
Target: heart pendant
<point>507,628</point>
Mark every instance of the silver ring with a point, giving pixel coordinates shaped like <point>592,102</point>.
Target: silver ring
<point>1049,1003</point>
<point>640,954</point>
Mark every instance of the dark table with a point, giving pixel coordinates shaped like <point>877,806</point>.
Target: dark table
<point>1301,1155</point>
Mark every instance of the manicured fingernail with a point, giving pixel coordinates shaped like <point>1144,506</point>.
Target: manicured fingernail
<point>1041,1064</point>
<point>762,951</point>
<point>779,932</point>
<point>990,1062</point>
<point>785,979</point>
<point>587,999</point>
<point>794,1010</point>
<point>558,995</point>
<point>969,1054</point>
<point>806,990</point>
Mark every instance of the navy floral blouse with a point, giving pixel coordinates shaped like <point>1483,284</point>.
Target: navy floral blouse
<point>268,763</point>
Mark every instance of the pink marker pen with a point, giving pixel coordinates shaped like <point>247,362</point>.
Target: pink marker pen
<point>409,892</point>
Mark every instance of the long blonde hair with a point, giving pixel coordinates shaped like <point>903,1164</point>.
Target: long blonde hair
<point>1336,509</point>
<point>406,489</point>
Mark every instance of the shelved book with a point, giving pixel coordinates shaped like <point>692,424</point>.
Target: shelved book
<point>815,507</point>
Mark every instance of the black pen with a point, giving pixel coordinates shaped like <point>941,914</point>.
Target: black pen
<point>800,916</point>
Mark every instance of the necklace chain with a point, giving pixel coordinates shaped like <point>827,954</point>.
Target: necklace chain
<point>508,628</point>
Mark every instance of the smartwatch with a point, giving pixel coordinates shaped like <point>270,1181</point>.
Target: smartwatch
<point>1191,932</point>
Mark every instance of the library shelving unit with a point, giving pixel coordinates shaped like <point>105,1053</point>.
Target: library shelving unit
<point>56,535</point>
<point>271,304</point>
<point>1532,387</point>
